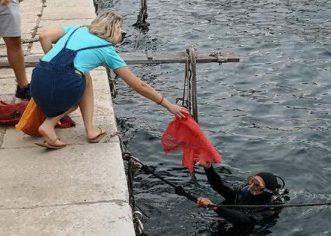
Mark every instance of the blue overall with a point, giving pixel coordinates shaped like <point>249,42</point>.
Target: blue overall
<point>55,85</point>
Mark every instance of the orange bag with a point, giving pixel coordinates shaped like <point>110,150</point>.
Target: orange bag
<point>31,119</point>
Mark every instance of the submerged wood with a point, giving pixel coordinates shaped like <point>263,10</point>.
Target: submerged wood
<point>148,58</point>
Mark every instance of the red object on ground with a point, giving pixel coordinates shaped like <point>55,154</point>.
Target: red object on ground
<point>10,114</point>
<point>186,134</point>
<point>66,122</point>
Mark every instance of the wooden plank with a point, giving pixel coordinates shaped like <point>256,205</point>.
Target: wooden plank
<point>175,57</point>
<point>148,58</point>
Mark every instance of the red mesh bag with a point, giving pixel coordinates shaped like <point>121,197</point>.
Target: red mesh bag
<point>186,134</point>
<point>10,113</point>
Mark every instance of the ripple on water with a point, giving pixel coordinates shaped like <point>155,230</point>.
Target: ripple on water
<point>269,112</point>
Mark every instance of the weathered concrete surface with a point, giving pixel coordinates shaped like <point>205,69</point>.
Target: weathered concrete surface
<point>67,220</point>
<point>77,174</point>
<point>78,190</point>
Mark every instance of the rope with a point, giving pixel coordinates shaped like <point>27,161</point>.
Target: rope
<point>148,170</point>
<point>137,220</point>
<point>142,16</point>
<point>112,82</point>
<point>182,192</point>
<point>275,206</point>
<point>218,55</point>
<point>136,215</point>
<point>193,65</point>
<point>189,99</point>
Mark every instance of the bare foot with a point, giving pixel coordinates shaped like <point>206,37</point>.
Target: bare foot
<point>47,131</point>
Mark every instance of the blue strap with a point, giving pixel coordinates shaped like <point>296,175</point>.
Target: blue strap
<point>81,49</point>
<point>99,46</point>
<point>65,45</point>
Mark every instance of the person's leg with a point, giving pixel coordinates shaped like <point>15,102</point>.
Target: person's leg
<point>47,128</point>
<point>86,106</point>
<point>16,59</point>
<point>11,31</point>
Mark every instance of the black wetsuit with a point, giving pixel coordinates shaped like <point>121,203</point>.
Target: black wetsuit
<point>241,217</point>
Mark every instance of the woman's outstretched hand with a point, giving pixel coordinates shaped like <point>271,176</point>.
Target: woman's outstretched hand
<point>178,111</point>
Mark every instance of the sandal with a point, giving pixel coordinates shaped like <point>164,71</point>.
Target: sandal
<point>51,146</point>
<point>99,137</point>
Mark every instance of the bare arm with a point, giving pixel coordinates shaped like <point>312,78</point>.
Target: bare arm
<point>47,38</point>
<point>147,91</point>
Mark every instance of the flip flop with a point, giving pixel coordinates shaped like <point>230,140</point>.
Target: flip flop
<point>99,137</point>
<point>51,146</point>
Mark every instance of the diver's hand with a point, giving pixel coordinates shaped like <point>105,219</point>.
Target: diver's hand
<point>204,164</point>
<point>178,111</point>
<point>205,202</point>
<point>4,2</point>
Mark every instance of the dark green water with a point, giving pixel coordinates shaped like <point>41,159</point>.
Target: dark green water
<point>271,111</point>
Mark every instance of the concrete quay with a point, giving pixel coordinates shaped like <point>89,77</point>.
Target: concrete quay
<point>78,190</point>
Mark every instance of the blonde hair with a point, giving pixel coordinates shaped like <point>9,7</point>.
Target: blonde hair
<point>105,25</point>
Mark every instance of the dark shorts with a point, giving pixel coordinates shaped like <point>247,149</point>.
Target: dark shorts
<point>56,89</point>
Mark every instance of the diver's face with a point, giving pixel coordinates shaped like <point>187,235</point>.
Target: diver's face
<point>256,185</point>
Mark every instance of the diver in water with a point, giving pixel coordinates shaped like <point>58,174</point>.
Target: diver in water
<point>261,189</point>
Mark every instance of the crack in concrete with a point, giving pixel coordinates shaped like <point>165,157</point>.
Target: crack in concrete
<point>35,28</point>
<point>116,201</point>
<point>2,136</point>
